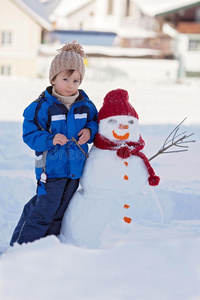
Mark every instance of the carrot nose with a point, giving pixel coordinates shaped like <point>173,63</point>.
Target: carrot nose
<point>121,126</point>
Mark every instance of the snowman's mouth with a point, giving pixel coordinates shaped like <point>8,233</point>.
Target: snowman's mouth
<point>121,137</point>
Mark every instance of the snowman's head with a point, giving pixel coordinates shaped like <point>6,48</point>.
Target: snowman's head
<point>120,128</point>
<point>117,118</point>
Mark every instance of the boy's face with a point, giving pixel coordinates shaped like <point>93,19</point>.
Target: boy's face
<point>66,84</point>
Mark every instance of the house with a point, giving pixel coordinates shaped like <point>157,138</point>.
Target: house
<point>102,23</point>
<point>120,21</point>
<point>170,27</point>
<point>75,20</point>
<point>179,20</point>
<point>21,32</point>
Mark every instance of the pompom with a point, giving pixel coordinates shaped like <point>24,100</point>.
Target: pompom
<point>74,47</point>
<point>124,152</point>
<point>118,94</point>
<point>153,180</point>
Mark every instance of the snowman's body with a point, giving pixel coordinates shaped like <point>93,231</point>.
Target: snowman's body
<point>113,189</point>
<point>108,172</point>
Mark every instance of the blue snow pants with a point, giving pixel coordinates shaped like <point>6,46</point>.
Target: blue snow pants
<point>43,214</point>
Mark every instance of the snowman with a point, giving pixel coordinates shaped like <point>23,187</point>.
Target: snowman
<point>116,178</point>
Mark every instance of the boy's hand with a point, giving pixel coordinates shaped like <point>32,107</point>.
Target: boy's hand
<point>60,139</point>
<point>84,134</point>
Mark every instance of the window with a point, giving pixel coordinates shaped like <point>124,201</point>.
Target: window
<point>194,45</point>
<point>110,7</point>
<point>6,38</point>
<point>6,70</point>
<point>127,11</point>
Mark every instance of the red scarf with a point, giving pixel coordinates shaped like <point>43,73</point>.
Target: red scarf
<point>126,149</point>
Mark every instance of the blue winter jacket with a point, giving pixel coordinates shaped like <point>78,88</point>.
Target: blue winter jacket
<point>46,117</point>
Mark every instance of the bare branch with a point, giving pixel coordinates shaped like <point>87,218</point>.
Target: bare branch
<point>173,131</point>
<point>175,140</point>
<point>174,151</point>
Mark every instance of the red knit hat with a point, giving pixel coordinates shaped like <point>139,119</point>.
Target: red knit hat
<point>116,103</point>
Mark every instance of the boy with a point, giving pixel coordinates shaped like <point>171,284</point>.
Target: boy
<point>58,126</point>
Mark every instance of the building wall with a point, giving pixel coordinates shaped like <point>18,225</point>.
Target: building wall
<point>100,15</point>
<point>20,37</point>
<point>81,19</point>
<point>109,14</point>
<point>188,50</point>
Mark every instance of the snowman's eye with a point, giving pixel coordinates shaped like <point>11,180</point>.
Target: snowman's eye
<point>131,122</point>
<point>112,121</point>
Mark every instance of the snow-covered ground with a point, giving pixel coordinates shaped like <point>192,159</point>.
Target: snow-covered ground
<point>145,261</point>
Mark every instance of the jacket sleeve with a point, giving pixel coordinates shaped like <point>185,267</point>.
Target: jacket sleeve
<point>35,134</point>
<point>92,123</point>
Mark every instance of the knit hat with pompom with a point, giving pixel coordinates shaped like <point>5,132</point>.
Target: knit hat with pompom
<point>116,103</point>
<point>70,57</point>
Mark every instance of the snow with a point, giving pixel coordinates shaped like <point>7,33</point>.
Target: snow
<point>136,32</point>
<point>120,51</point>
<point>143,261</point>
<point>105,50</point>
<point>156,7</point>
<point>64,8</point>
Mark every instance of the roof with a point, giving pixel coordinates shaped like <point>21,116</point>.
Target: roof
<point>38,11</point>
<point>161,7</point>
<point>42,11</point>
<point>84,37</point>
<point>66,8</point>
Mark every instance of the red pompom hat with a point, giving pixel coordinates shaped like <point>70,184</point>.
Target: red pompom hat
<point>116,103</point>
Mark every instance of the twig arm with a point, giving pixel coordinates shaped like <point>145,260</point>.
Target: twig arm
<point>175,142</point>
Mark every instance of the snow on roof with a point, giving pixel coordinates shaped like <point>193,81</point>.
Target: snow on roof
<point>38,11</point>
<point>120,51</point>
<point>67,7</point>
<point>158,7</point>
<point>135,32</point>
<point>104,51</point>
